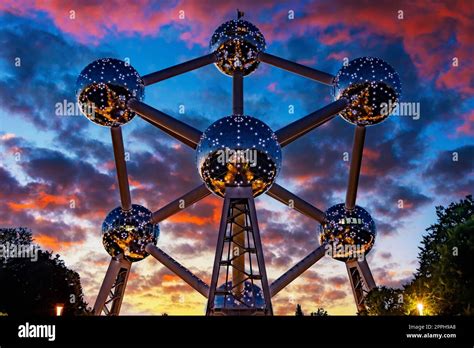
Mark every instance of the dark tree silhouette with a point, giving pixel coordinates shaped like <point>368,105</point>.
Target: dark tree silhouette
<point>384,301</point>
<point>320,312</point>
<point>299,311</point>
<point>444,281</point>
<point>35,287</point>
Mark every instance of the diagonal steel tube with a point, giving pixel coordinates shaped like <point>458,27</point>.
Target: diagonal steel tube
<point>180,203</point>
<point>294,130</point>
<point>116,263</point>
<point>298,269</point>
<point>120,164</point>
<point>354,172</point>
<point>218,257</point>
<point>179,69</point>
<point>174,127</point>
<point>366,274</point>
<point>195,282</point>
<point>286,197</point>
<point>238,93</point>
<point>296,68</point>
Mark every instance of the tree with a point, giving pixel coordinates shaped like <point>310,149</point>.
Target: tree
<point>384,301</point>
<point>299,311</point>
<point>443,282</point>
<point>33,280</point>
<point>319,313</point>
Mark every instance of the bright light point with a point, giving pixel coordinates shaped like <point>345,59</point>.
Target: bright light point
<point>420,307</point>
<point>59,310</point>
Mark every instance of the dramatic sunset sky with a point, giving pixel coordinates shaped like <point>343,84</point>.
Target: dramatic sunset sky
<point>48,160</point>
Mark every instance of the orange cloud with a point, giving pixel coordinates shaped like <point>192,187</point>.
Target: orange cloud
<point>42,201</point>
<point>52,243</point>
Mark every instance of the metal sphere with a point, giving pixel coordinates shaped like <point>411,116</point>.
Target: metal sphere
<point>237,44</point>
<point>350,233</point>
<point>251,298</point>
<point>103,89</point>
<point>238,151</point>
<point>372,88</point>
<point>128,232</point>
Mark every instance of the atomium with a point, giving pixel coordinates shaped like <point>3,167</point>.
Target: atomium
<point>349,232</point>
<point>238,157</point>
<point>237,44</point>
<point>252,297</point>
<point>127,232</point>
<point>372,88</point>
<point>103,89</point>
<point>238,151</point>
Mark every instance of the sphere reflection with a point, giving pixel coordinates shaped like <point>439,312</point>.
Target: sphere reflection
<point>372,88</point>
<point>237,44</point>
<point>128,232</point>
<point>238,151</point>
<point>251,298</point>
<point>103,89</point>
<point>350,233</point>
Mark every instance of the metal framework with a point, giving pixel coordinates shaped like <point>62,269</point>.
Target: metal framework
<point>239,227</point>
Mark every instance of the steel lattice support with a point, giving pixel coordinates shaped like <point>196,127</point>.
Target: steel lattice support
<point>361,280</point>
<point>110,297</point>
<point>239,243</point>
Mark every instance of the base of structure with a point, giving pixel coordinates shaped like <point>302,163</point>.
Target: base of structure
<point>239,284</point>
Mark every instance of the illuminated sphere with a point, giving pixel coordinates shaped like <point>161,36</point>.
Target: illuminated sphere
<point>372,88</point>
<point>128,232</point>
<point>350,233</point>
<point>238,151</point>
<point>251,298</point>
<point>103,89</point>
<point>237,44</point>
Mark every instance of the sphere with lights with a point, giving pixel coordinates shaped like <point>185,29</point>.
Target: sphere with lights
<point>128,232</point>
<point>238,151</point>
<point>252,297</point>
<point>372,88</point>
<point>237,44</point>
<point>349,233</point>
<point>103,89</point>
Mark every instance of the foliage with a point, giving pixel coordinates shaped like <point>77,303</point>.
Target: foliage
<point>384,301</point>
<point>443,283</point>
<point>34,285</point>
<point>299,311</point>
<point>320,312</point>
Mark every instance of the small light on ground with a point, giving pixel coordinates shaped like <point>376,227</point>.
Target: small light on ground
<point>59,310</point>
<point>420,307</point>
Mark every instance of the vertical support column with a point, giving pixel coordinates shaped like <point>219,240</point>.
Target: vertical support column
<point>238,252</point>
<point>240,237</point>
<point>260,258</point>
<point>361,280</point>
<point>218,257</point>
<point>356,162</point>
<point>238,93</point>
<point>112,289</point>
<point>120,164</point>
